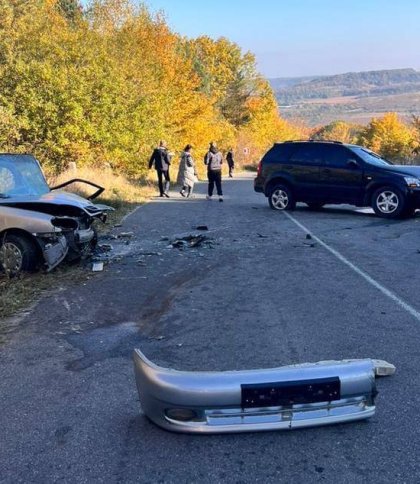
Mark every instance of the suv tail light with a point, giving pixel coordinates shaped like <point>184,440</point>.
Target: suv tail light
<point>259,170</point>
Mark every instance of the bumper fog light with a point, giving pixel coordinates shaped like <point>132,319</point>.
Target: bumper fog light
<point>181,414</point>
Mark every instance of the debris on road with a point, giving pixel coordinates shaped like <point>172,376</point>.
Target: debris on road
<point>97,266</point>
<point>149,253</point>
<point>261,236</point>
<point>201,227</point>
<point>105,247</point>
<point>192,241</point>
<point>308,236</point>
<point>125,235</point>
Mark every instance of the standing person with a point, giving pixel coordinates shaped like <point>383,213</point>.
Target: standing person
<point>214,161</point>
<point>187,174</point>
<point>230,162</point>
<point>161,159</point>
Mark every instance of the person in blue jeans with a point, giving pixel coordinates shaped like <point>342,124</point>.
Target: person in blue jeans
<point>214,162</point>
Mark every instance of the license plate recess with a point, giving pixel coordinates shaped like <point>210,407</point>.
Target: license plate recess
<point>290,393</point>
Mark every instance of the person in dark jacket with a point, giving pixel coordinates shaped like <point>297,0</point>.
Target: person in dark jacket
<point>214,161</point>
<point>161,159</point>
<point>230,162</point>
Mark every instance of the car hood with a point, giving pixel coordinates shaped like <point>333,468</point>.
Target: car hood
<point>405,169</point>
<point>54,198</point>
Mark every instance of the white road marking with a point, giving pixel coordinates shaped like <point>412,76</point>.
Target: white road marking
<point>367,277</point>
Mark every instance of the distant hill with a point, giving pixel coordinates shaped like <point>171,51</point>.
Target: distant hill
<point>354,96</point>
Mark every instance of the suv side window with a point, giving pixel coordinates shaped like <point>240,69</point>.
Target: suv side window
<point>309,154</point>
<point>338,156</point>
<point>279,153</point>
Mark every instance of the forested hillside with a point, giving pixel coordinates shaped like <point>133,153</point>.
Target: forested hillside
<point>355,96</point>
<point>103,83</point>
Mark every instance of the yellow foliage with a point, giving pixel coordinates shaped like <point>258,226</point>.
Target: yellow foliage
<point>103,86</point>
<point>389,137</point>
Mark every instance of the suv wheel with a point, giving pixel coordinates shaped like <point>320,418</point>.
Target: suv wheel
<point>18,254</point>
<point>281,198</point>
<point>388,202</point>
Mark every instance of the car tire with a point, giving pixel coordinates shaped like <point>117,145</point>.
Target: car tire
<point>18,254</point>
<point>389,202</point>
<point>315,205</point>
<point>281,198</point>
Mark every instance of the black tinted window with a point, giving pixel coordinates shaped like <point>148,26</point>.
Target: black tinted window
<point>309,153</point>
<point>279,153</point>
<point>338,156</point>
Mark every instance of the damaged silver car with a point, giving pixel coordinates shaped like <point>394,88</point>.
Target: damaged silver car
<point>288,397</point>
<point>39,225</point>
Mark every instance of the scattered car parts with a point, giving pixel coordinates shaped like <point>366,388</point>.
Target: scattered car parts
<point>288,397</point>
<point>40,226</point>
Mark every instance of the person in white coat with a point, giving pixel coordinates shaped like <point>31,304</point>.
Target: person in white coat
<point>187,175</point>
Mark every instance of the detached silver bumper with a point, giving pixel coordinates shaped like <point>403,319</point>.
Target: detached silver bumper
<point>241,401</point>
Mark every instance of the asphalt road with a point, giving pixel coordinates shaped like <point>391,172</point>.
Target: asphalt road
<point>263,296</point>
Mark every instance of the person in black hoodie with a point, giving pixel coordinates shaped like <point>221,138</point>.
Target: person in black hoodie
<point>161,159</point>
<point>214,161</point>
<point>230,161</point>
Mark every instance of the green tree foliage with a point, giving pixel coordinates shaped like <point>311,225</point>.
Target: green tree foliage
<point>104,84</point>
<point>70,9</point>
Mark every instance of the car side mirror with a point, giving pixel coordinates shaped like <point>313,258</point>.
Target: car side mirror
<point>353,164</point>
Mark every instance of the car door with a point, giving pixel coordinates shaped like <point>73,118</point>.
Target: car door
<point>304,167</point>
<point>341,176</point>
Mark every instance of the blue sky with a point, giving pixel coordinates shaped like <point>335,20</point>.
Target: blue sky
<point>305,37</point>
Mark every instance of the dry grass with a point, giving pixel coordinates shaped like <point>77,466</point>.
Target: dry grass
<point>122,194</point>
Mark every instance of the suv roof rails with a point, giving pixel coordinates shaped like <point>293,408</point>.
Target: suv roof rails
<point>312,141</point>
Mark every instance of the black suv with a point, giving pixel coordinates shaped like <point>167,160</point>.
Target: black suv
<point>321,172</point>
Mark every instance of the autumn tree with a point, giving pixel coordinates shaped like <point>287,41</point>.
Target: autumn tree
<point>105,83</point>
<point>389,137</point>
<point>337,131</point>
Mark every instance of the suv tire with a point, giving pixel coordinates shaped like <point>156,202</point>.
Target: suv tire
<point>389,202</point>
<point>18,254</point>
<point>281,198</point>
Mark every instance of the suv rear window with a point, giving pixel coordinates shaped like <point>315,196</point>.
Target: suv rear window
<point>310,153</point>
<point>279,153</point>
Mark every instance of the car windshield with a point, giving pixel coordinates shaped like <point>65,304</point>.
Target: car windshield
<point>20,176</point>
<point>370,156</point>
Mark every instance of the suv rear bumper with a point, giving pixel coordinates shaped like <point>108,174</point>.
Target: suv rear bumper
<point>258,185</point>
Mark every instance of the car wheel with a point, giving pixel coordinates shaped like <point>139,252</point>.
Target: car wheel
<point>281,198</point>
<point>314,205</point>
<point>388,202</point>
<point>18,254</point>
